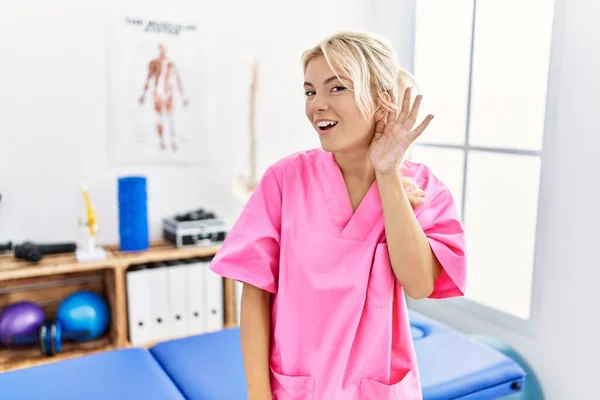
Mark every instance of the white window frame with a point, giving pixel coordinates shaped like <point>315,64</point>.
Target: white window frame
<point>478,310</point>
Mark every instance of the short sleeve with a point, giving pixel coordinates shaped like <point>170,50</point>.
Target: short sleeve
<point>250,252</point>
<point>441,224</point>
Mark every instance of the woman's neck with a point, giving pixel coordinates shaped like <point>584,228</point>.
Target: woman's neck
<point>356,166</point>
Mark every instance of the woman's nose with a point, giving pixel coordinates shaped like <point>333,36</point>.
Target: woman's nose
<point>318,103</point>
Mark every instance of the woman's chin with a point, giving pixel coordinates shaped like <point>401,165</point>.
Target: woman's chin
<point>327,145</point>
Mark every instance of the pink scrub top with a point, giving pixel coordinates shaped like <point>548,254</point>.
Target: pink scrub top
<point>340,327</point>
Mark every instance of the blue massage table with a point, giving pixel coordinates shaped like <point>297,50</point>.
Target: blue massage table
<point>118,374</point>
<point>453,366</point>
<point>209,366</point>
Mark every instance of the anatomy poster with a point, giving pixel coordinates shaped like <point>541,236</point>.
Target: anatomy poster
<point>158,90</point>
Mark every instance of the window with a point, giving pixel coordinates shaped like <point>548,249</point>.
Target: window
<point>483,67</point>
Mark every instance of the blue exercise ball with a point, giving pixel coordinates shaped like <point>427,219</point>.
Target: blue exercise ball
<point>84,315</point>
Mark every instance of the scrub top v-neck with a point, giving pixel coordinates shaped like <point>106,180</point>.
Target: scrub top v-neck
<point>347,223</point>
<point>339,320</point>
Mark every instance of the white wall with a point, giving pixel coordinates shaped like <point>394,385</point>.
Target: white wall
<point>564,348</point>
<point>53,92</point>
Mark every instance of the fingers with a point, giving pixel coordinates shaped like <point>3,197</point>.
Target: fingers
<point>379,128</point>
<point>392,115</point>
<point>419,129</point>
<point>406,116</point>
<point>414,112</point>
<point>405,105</point>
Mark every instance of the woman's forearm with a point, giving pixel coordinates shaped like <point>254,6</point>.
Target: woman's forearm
<point>411,256</point>
<point>255,331</point>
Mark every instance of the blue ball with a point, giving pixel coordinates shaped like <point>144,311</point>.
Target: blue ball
<point>84,316</point>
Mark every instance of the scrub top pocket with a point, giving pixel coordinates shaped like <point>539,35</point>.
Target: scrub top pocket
<point>292,387</point>
<point>407,389</point>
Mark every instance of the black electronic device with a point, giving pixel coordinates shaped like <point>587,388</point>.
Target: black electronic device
<point>34,252</point>
<point>6,246</point>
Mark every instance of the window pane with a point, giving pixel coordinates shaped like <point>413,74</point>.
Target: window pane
<point>446,164</point>
<point>500,223</point>
<point>510,71</point>
<point>442,58</point>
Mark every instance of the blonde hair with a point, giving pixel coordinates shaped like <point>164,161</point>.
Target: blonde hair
<point>370,62</point>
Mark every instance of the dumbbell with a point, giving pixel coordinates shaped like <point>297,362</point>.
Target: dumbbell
<point>50,337</point>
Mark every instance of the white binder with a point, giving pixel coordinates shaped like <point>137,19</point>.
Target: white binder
<point>177,293</point>
<point>195,308</point>
<point>138,304</point>
<point>160,308</point>
<point>213,284</point>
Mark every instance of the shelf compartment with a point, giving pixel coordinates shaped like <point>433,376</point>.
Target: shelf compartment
<point>48,292</point>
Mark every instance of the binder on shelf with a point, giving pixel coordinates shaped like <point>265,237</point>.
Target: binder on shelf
<point>195,307</point>
<point>160,305</point>
<point>213,284</point>
<point>138,304</point>
<point>177,294</point>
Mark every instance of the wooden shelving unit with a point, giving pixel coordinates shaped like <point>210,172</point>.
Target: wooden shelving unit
<point>30,357</point>
<point>57,276</point>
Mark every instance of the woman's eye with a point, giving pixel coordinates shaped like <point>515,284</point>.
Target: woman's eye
<point>309,93</point>
<point>338,88</point>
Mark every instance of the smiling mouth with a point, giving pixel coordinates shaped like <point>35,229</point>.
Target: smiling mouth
<point>326,125</point>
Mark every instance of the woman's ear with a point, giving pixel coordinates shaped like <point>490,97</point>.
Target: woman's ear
<point>382,111</point>
<point>386,95</point>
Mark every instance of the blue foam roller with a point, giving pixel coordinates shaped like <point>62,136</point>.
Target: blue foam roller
<point>133,214</point>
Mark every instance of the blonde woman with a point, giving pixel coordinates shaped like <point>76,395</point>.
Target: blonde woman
<point>333,238</point>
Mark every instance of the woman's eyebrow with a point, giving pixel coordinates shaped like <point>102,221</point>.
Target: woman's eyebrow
<point>332,78</point>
